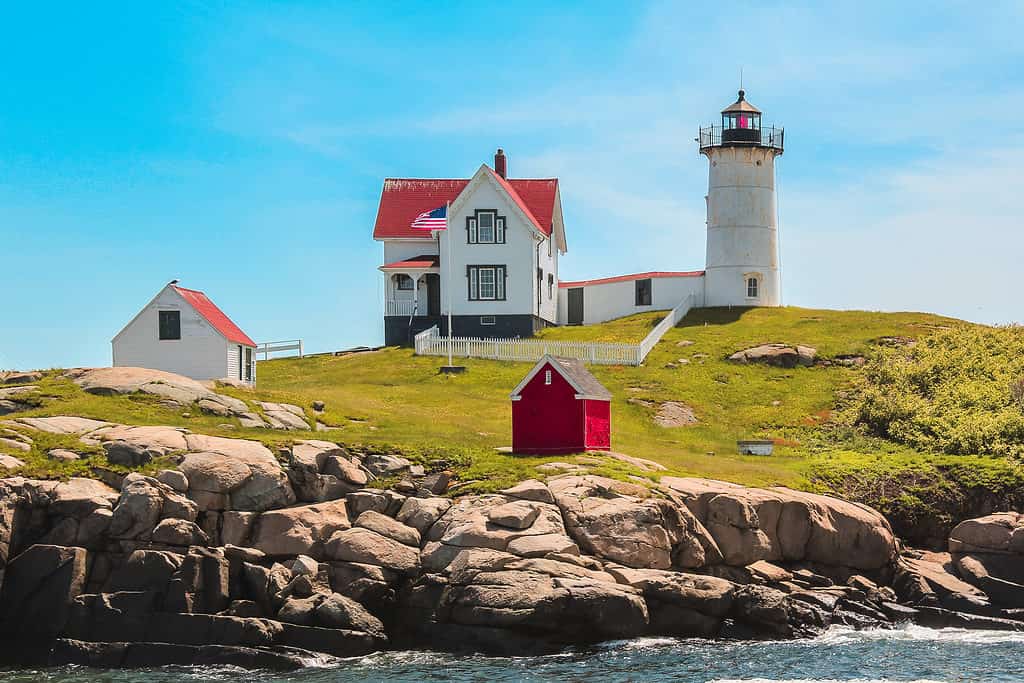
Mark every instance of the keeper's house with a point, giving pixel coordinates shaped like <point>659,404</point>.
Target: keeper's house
<point>182,331</point>
<point>560,407</point>
<point>506,236</point>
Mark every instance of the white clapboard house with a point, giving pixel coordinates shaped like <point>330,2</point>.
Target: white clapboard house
<point>507,236</point>
<point>182,331</point>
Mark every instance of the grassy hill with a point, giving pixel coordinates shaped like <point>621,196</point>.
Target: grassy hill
<point>393,398</point>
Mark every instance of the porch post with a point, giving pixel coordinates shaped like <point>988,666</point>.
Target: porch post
<point>415,292</point>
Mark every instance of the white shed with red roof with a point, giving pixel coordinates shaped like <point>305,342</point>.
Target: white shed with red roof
<point>182,331</point>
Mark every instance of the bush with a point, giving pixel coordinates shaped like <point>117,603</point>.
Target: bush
<point>956,391</point>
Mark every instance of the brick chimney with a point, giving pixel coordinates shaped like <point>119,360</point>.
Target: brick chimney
<point>500,165</point>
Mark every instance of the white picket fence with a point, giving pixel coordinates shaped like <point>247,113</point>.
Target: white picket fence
<point>430,342</point>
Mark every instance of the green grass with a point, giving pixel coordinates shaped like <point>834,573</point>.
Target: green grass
<point>394,399</point>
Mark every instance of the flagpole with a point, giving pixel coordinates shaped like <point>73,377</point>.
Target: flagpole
<point>448,239</point>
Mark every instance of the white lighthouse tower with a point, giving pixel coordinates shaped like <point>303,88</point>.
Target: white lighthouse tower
<point>742,246</point>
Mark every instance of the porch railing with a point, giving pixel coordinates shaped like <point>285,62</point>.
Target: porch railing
<point>399,307</point>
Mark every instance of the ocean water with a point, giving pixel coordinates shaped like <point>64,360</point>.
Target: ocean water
<point>841,655</point>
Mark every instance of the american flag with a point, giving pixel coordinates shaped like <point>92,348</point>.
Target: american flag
<point>432,220</point>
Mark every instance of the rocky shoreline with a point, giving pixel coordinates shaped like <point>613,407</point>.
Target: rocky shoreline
<point>234,558</point>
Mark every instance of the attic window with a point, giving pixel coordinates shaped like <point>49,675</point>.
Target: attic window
<point>170,325</point>
<point>485,226</point>
<point>547,377</point>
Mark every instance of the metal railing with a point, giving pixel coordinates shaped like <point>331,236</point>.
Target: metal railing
<point>430,342</point>
<point>399,307</point>
<point>267,348</point>
<point>769,137</point>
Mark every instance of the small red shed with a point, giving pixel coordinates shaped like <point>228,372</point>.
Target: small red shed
<point>560,407</point>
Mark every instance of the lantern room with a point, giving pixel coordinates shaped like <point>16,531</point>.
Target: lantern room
<point>741,122</point>
<point>741,126</point>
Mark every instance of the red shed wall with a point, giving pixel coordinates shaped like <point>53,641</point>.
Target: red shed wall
<point>548,418</point>
<point>598,425</point>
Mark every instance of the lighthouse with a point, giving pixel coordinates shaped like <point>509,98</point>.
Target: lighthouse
<point>742,267</point>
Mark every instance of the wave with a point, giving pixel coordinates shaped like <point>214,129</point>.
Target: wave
<point>818,680</point>
<point>844,635</point>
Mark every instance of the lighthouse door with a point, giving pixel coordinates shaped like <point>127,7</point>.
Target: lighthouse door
<point>575,306</point>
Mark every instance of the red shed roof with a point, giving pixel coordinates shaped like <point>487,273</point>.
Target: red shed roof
<point>216,317</point>
<point>402,199</point>
<point>636,276</point>
<point>575,373</point>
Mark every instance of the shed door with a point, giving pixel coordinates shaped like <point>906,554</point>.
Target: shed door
<point>576,306</point>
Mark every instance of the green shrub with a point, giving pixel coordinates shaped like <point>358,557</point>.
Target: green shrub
<point>956,391</point>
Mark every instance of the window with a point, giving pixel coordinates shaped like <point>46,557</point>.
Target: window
<point>170,324</point>
<point>551,285</point>
<point>487,320</point>
<point>404,282</point>
<point>248,364</point>
<point>547,377</point>
<point>241,362</point>
<point>485,226</point>
<point>486,283</point>
<point>643,292</point>
<point>752,284</point>
<point>550,240</point>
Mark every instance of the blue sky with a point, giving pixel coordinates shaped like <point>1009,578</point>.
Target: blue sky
<point>241,148</point>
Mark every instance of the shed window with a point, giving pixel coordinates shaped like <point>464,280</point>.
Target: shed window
<point>643,292</point>
<point>404,281</point>
<point>752,285</point>
<point>170,324</point>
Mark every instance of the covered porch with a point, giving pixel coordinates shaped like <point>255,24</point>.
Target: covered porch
<point>412,287</point>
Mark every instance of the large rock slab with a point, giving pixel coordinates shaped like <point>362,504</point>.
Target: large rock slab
<point>368,547</point>
<point>468,524</point>
<point>62,424</point>
<point>167,385</point>
<point>780,524</point>
<point>637,532</point>
<point>1002,532</point>
<point>156,440</point>
<point>38,587</point>
<point>302,530</point>
<point>780,355</point>
<point>248,479</point>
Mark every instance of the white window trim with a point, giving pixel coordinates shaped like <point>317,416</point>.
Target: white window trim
<point>497,285</point>
<point>758,279</point>
<point>480,228</point>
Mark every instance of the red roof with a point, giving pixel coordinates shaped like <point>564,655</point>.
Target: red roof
<point>424,261</point>
<point>405,198</point>
<point>637,276</point>
<point>214,316</point>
